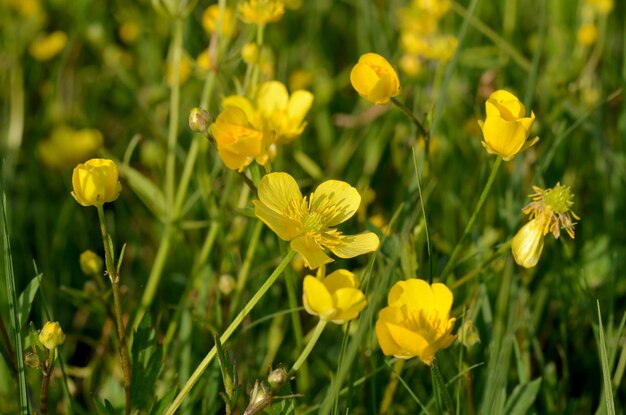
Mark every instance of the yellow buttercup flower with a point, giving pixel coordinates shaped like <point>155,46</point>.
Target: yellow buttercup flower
<point>211,19</point>
<point>51,335</point>
<point>417,321</point>
<point>261,11</point>
<point>238,141</point>
<point>600,6</point>
<point>308,223</point>
<point>90,263</point>
<point>284,114</point>
<point>506,129</point>
<point>250,53</point>
<point>335,298</point>
<point>66,147</point>
<point>550,211</point>
<point>587,34</point>
<point>375,79</point>
<point>96,182</point>
<point>47,47</point>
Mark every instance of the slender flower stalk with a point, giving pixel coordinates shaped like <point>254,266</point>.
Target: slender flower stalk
<point>229,331</point>
<point>119,322</point>
<point>317,332</point>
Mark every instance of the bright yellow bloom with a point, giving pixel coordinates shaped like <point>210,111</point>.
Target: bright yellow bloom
<point>417,321</point>
<point>238,141</point>
<point>51,335</point>
<point>375,79</point>
<point>587,34</point>
<point>66,147</point>
<point>47,47</point>
<point>308,224</point>
<point>505,128</point>
<point>211,19</point>
<point>261,11</point>
<point>335,298</point>
<point>96,182</point>
<point>90,263</point>
<point>550,211</point>
<point>284,114</point>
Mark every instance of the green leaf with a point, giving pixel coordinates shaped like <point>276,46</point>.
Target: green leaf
<point>104,408</point>
<point>147,191</point>
<point>281,406</point>
<point>607,387</point>
<point>146,365</point>
<point>25,301</point>
<point>522,398</point>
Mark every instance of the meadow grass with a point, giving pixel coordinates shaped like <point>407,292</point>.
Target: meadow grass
<point>210,300</point>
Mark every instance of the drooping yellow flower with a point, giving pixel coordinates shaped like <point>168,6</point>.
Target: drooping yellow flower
<point>308,223</point>
<point>335,297</point>
<point>238,140</point>
<point>96,182</point>
<point>506,129</point>
<point>375,79</point>
<point>66,147</point>
<point>211,19</point>
<point>261,11</point>
<point>550,211</point>
<point>284,114</point>
<point>417,321</point>
<point>47,47</point>
<point>51,335</point>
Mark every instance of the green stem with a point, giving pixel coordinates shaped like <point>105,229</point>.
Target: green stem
<point>292,297</point>
<point>440,384</point>
<point>119,322</point>
<point>244,271</point>
<point>229,331</point>
<point>457,249</point>
<point>317,331</point>
<point>412,117</point>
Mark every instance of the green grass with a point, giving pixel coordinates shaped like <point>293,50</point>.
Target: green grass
<point>551,337</point>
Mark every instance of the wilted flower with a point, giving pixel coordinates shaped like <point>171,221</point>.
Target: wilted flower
<point>261,11</point>
<point>417,321</point>
<point>46,47</point>
<point>506,128</point>
<point>96,182</point>
<point>375,79</point>
<point>51,335</point>
<point>308,224</point>
<point>66,147</point>
<point>211,20</point>
<point>335,297</point>
<point>549,212</point>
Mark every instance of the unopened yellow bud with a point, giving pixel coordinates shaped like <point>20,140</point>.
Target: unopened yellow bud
<point>47,47</point>
<point>90,263</point>
<point>51,335</point>
<point>226,284</point>
<point>96,182</point>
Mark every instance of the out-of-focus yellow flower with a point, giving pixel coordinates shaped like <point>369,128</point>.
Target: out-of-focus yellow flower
<point>308,224</point>
<point>300,79</point>
<point>261,11</point>
<point>283,113</point>
<point>587,34</point>
<point>238,141</point>
<point>293,4</point>
<point>250,53</point>
<point>90,263</point>
<point>410,65</point>
<point>46,47</point>
<point>28,8</point>
<point>335,298</point>
<point>506,128</point>
<point>204,62</point>
<point>435,8</point>
<point>550,211</point>
<point>375,79</point>
<point>66,147</point>
<point>600,6</point>
<point>186,67</point>
<point>96,182</point>
<point>129,31</point>
<point>51,335</point>
<point>417,321</point>
<point>211,19</point>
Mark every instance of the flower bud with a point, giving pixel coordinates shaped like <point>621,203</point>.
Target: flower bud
<point>32,360</point>
<point>226,284</point>
<point>260,398</point>
<point>375,79</point>
<point>90,263</point>
<point>96,182</point>
<point>277,378</point>
<point>199,120</point>
<point>468,335</point>
<point>51,335</point>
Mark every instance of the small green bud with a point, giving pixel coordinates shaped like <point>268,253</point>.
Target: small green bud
<point>277,378</point>
<point>260,398</point>
<point>32,360</point>
<point>199,120</point>
<point>226,284</point>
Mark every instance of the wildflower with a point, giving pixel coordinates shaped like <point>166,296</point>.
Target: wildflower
<point>204,62</point>
<point>375,79</point>
<point>587,34</point>
<point>66,147</point>
<point>505,129</point>
<point>250,53</point>
<point>96,182</point>
<point>468,334</point>
<point>183,73</point>
<point>600,6</point>
<point>51,335</point>
<point>550,211</point>
<point>90,263</point>
<point>336,297</point>
<point>238,141</point>
<point>417,321</point>
<point>308,223</point>
<point>129,32</point>
<point>47,47</point>
<point>261,12</point>
<point>283,113</point>
<point>211,20</point>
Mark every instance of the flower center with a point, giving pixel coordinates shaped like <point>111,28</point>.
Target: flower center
<point>559,198</point>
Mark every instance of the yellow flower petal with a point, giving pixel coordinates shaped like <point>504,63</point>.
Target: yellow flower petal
<point>341,278</point>
<point>363,78</point>
<point>409,342</point>
<point>272,96</point>
<point>349,302</point>
<point>316,298</point>
<point>527,244</point>
<point>280,192</point>
<point>335,201</point>
<point>505,138</point>
<point>310,251</point>
<point>442,299</point>
<point>349,246</point>
<point>285,227</point>
<point>299,104</point>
